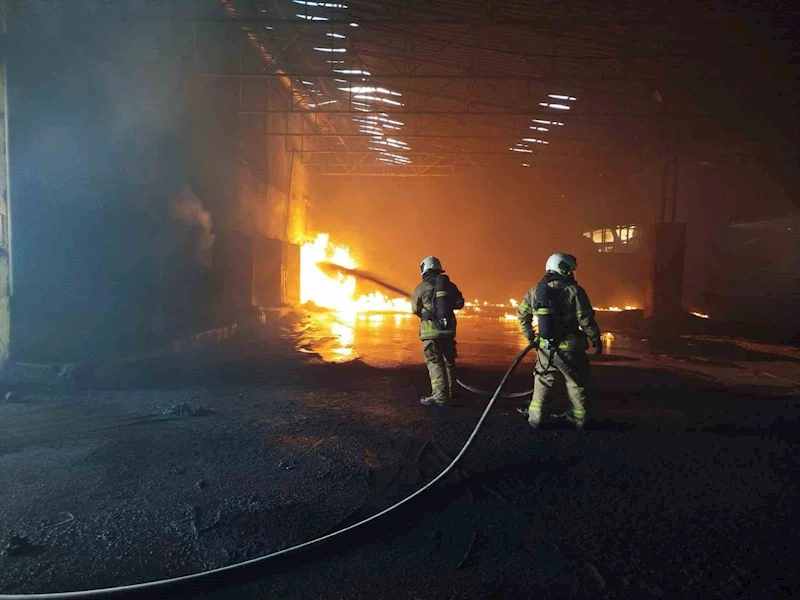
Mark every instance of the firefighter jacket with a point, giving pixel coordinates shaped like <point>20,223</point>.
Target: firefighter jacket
<point>422,305</point>
<point>575,313</point>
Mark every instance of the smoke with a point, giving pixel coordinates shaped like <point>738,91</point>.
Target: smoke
<point>187,208</point>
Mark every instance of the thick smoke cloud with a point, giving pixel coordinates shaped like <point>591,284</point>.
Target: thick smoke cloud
<point>98,123</point>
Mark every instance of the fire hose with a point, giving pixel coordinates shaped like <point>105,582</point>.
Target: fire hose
<point>331,268</point>
<point>153,588</point>
<point>480,392</point>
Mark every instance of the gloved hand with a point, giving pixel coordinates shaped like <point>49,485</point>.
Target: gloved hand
<point>598,346</point>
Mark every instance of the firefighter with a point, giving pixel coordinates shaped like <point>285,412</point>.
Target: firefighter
<point>434,301</point>
<point>565,320</point>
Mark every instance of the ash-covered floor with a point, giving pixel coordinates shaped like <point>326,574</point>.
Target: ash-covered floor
<point>685,486</point>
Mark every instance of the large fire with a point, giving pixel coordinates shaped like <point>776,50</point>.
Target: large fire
<point>338,291</point>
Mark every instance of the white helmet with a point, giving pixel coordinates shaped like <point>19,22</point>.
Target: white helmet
<point>428,263</point>
<point>561,263</point>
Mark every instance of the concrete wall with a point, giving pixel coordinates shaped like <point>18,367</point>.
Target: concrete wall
<point>756,278</point>
<point>127,171</point>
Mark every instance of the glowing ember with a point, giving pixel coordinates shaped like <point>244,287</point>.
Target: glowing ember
<point>472,307</point>
<point>608,340</point>
<point>700,315</point>
<point>338,291</point>
<point>617,308</point>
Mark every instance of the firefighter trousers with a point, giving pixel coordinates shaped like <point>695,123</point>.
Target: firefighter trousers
<point>440,358</point>
<point>574,366</point>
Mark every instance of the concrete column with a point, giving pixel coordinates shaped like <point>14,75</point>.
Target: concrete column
<point>5,204</point>
<point>666,252</point>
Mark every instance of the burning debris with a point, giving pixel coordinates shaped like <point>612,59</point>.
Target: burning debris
<point>328,280</point>
<point>328,276</point>
<point>617,308</point>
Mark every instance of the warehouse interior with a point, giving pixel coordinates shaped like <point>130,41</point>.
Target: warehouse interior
<point>177,174</point>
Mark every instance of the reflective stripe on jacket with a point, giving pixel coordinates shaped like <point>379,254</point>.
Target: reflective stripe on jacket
<point>429,330</point>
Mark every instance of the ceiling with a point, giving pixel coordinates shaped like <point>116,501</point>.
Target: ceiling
<point>394,87</point>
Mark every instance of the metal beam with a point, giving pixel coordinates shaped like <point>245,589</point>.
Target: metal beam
<point>441,92</point>
<point>538,24</point>
<point>434,153</point>
<point>455,77</point>
<point>398,112</point>
<point>401,134</point>
<point>430,36</point>
<point>329,123</point>
<point>367,174</point>
<point>370,42</point>
<point>398,171</point>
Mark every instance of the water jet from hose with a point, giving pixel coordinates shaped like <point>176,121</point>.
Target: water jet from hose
<point>330,268</point>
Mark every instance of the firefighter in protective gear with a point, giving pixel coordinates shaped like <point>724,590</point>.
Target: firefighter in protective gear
<point>566,315</point>
<point>433,301</point>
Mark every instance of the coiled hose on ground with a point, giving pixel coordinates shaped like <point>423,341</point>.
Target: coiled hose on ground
<point>176,584</point>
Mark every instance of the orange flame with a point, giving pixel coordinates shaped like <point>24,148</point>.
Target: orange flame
<point>617,308</point>
<point>337,291</point>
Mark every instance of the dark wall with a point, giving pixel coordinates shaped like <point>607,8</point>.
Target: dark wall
<point>756,279</point>
<point>97,157</point>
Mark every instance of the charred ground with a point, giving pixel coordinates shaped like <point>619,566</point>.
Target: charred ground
<point>684,485</point>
